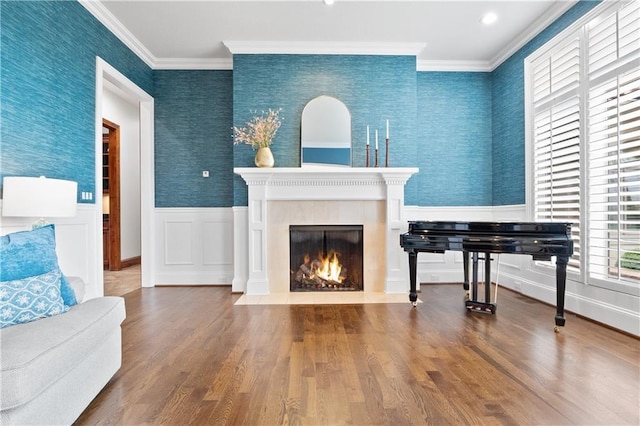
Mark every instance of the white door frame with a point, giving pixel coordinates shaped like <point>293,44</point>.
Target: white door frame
<point>104,71</point>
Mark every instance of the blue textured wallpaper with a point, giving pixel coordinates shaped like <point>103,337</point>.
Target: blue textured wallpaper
<point>193,120</point>
<point>374,88</point>
<point>48,58</point>
<point>454,139</point>
<point>464,130</point>
<point>508,113</point>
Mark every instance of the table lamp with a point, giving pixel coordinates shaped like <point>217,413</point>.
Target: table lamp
<point>39,197</point>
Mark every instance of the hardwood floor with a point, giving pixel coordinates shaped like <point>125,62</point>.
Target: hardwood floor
<point>119,283</point>
<point>191,357</point>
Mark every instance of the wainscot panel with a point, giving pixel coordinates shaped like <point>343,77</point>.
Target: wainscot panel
<point>195,246</point>
<point>76,242</point>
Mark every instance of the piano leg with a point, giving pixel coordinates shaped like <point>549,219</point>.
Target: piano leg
<point>413,262</point>
<point>474,283</point>
<point>561,282</point>
<point>487,278</point>
<point>465,266</point>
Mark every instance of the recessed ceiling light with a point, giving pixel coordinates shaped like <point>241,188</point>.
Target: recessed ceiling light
<point>489,18</point>
<point>329,2</point>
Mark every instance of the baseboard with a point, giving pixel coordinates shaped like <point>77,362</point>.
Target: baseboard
<point>125,263</point>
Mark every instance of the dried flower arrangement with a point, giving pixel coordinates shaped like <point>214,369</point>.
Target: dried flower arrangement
<point>260,131</point>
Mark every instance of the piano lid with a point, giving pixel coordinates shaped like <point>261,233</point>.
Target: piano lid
<point>490,228</point>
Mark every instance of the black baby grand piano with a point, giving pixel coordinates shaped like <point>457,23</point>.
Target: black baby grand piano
<point>542,240</point>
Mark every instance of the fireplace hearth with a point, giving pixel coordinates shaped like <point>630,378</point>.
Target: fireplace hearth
<point>326,257</point>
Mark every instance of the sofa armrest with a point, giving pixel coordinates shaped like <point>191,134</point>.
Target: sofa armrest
<point>78,286</point>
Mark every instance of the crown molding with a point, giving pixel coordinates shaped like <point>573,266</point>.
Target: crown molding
<point>455,66</point>
<point>550,16</point>
<point>324,48</point>
<point>556,10</point>
<point>102,14</point>
<point>107,19</point>
<point>193,64</point>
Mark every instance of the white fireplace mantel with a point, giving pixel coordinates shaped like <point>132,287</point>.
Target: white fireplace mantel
<point>322,184</point>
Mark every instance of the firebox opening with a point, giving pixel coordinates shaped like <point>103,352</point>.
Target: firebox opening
<point>326,257</point>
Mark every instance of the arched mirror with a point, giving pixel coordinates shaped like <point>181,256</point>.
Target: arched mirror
<point>326,133</point>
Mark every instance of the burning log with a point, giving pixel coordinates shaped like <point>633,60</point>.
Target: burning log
<point>306,270</point>
<point>321,273</point>
<point>307,277</point>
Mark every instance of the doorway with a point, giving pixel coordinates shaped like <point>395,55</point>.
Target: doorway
<point>111,196</point>
<point>121,215</point>
<point>107,75</point>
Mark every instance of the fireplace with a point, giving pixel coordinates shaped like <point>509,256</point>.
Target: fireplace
<point>282,196</point>
<point>326,257</point>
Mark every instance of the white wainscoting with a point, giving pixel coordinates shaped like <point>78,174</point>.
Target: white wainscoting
<point>195,246</point>
<point>77,243</point>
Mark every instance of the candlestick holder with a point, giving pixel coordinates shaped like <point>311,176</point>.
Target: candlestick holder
<point>376,157</point>
<point>368,156</point>
<point>386,155</point>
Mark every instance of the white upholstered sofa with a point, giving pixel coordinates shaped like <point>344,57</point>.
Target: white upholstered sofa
<point>52,368</point>
<point>57,350</point>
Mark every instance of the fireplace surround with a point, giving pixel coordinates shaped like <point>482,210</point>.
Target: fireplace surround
<point>280,197</point>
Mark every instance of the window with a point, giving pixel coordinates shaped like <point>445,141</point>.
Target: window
<point>583,91</point>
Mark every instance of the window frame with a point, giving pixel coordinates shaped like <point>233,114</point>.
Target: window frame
<point>586,82</point>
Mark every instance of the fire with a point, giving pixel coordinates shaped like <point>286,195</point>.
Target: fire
<point>330,267</point>
<point>322,272</point>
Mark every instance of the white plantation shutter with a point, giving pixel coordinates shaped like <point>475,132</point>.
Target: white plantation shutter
<point>614,176</point>
<point>584,91</point>
<point>603,46</point>
<point>557,72</point>
<point>557,168</point>
<point>628,30</point>
<point>614,37</point>
<point>556,159</point>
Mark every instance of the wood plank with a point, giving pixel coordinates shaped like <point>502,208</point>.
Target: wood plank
<point>190,356</point>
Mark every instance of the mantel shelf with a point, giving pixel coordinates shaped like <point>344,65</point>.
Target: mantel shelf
<point>338,183</point>
<point>326,171</point>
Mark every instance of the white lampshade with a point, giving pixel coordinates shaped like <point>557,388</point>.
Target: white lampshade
<point>38,197</point>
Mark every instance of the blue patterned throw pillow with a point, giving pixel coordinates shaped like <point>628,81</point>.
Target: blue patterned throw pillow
<point>29,253</point>
<point>28,299</point>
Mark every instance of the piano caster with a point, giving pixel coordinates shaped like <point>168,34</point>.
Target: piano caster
<point>466,295</point>
<point>475,306</point>
<point>559,323</point>
<point>413,298</point>
<point>556,329</point>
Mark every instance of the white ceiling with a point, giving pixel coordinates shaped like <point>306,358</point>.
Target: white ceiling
<point>445,35</point>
